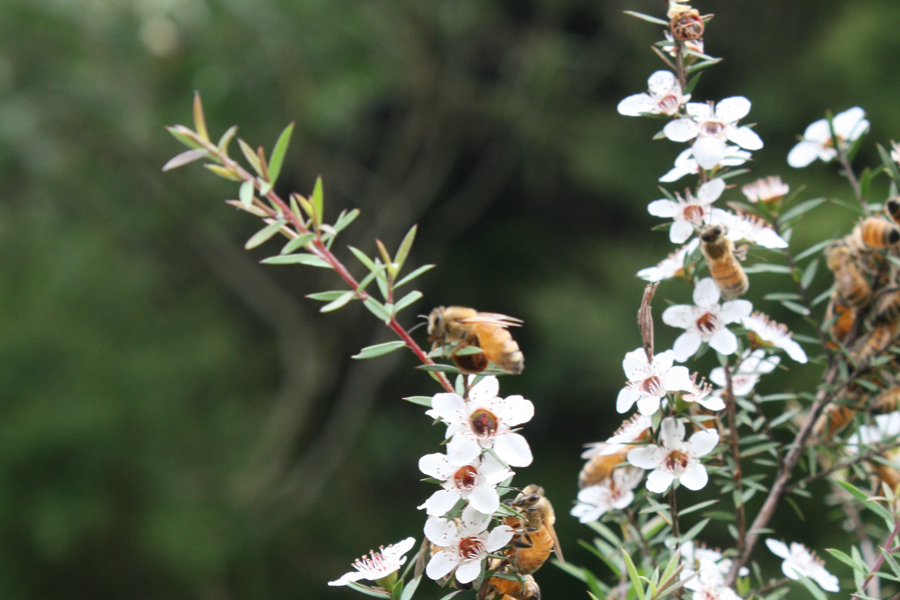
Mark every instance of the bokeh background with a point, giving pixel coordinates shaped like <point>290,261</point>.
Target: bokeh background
<point>179,422</point>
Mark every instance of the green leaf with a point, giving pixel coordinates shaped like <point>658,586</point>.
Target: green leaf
<point>264,234</point>
<point>695,530</point>
<point>318,200</point>
<point>889,165</point>
<point>692,83</point>
<point>647,18</point>
<point>633,576</point>
<point>413,275</point>
<point>367,590</point>
<point>856,566</point>
<point>797,308</point>
<point>812,587</point>
<point>450,595</point>
<point>800,209</point>
<point>298,242</point>
<point>809,274</point>
<point>297,259</point>
<point>265,187</point>
<point>338,302</point>
<point>185,136</point>
<point>369,278</point>
<point>782,296</point>
<point>420,400</point>
<point>407,300</point>
<point>700,65</point>
<point>891,561</point>
<point>199,120</point>
<point>246,193</point>
<point>251,156</point>
<point>344,219</point>
<point>378,350</point>
<point>278,153</point>
<point>813,249</point>
<point>326,296</point>
<point>226,138</point>
<point>768,268</point>
<point>359,254</point>
<point>405,246</point>
<point>696,507</point>
<point>410,589</point>
<point>377,309</point>
<point>185,158</point>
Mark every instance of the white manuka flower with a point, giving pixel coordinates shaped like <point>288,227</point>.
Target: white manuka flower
<point>817,143</point>
<point>649,382</point>
<point>671,266</point>
<point>665,97</point>
<point>675,459</point>
<point>628,433</point>
<point>712,128</point>
<point>749,228</point>
<point>686,164</point>
<point>614,493</point>
<point>746,375</point>
<point>709,584</point>
<point>775,334</point>
<point>378,565</point>
<point>689,213</point>
<point>766,190</point>
<point>484,421</point>
<point>696,557</point>
<point>463,544</point>
<point>475,482</point>
<point>886,427</point>
<point>798,559</point>
<point>706,321</point>
<point>702,394</point>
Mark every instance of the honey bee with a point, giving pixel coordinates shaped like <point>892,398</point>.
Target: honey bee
<point>888,307</point>
<point>535,536</point>
<point>839,413</point>
<point>600,466</point>
<point>487,331</point>
<point>885,402</point>
<point>508,589</point>
<point>852,287</point>
<point>724,267</point>
<point>876,341</point>
<point>878,233</point>
<point>841,317</point>
<point>893,207</point>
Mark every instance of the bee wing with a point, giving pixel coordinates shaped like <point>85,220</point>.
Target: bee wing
<point>493,319</point>
<point>556,547</point>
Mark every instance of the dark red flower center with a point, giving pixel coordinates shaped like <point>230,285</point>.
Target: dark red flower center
<point>465,477</point>
<point>676,461</point>
<point>708,323</point>
<point>483,422</point>
<point>471,547</point>
<point>693,213</point>
<point>652,386</point>
<point>668,103</point>
<point>712,128</point>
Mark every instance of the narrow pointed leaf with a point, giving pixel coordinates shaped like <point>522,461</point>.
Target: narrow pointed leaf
<point>377,309</point>
<point>378,350</point>
<point>405,246</point>
<point>345,219</point>
<point>250,155</point>
<point>407,300</point>
<point>326,296</point>
<point>647,18</point>
<point>185,136</point>
<point>800,209</point>
<point>413,275</point>
<point>636,583</point>
<point>812,587</point>
<point>185,158</point>
<point>226,138</point>
<point>420,400</point>
<point>199,119</point>
<point>363,258</point>
<point>813,249</point>
<point>339,302</point>
<point>246,193</point>
<point>298,242</point>
<point>809,274</point>
<point>410,589</point>
<point>222,172</point>
<point>889,165</point>
<point>278,153</point>
<point>318,200</point>
<point>297,259</point>
<point>367,590</point>
<point>264,234</point>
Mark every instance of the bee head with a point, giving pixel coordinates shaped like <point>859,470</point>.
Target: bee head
<point>893,206</point>
<point>436,322</point>
<point>711,233</point>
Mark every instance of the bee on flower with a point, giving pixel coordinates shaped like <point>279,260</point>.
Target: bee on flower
<point>690,212</point>
<point>675,459</point>
<point>463,544</point>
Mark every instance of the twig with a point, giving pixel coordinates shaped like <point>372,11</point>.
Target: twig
<point>767,588</point>
<point>843,465</point>
<point>735,456</point>
<point>880,561</point>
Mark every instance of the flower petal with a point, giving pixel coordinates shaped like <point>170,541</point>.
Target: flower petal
<point>724,342</point>
<point>626,399</point>
<point>680,315</point>
<point>513,410</point>
<point>706,294</point>
<point>436,465</point>
<point>484,390</point>
<point>795,351</point>
<point>635,365</point>
<point>498,537</point>
<point>449,407</point>
<point>659,481</point>
<point>462,449</point>
<point>440,502</point>
<point>678,378</point>
<point>733,109</point>
<point>468,570</point>
<point>703,442</point>
<point>686,345</point>
<point>681,130</point>
<point>663,208</point>
<point>735,310</point>
<point>646,457</point>
<point>484,498</point>
<point>441,532</point>
<point>694,477</point>
<point>745,138</point>
<point>803,154</point>
<point>663,361</point>
<point>778,548</point>
<point>671,433</point>
<point>637,105</point>
<point>648,405</point>
<point>680,232</point>
<point>513,449</point>
<point>709,151</point>
<point>662,82</point>
<point>710,191</point>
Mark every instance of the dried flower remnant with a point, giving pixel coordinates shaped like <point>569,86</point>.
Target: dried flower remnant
<point>798,560</point>
<point>689,213</point>
<point>664,97</point>
<point>706,321</point>
<point>766,190</point>
<point>817,142</point>
<point>675,459</point>
<point>378,565</point>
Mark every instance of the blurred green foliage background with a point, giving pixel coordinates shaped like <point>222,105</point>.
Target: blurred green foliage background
<point>179,422</point>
